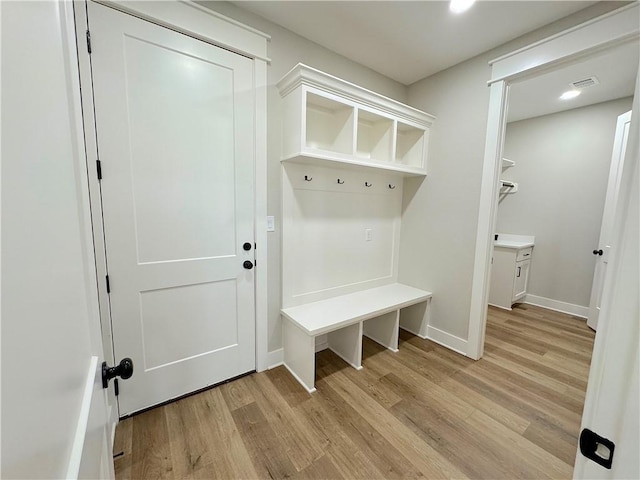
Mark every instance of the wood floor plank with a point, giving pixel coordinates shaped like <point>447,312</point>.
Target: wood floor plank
<point>322,467</point>
<point>269,459</point>
<point>540,464</point>
<point>189,448</point>
<point>346,455</point>
<point>489,407</point>
<point>375,447</point>
<point>122,447</point>
<point>301,443</point>
<point>231,455</point>
<point>425,458</point>
<point>423,412</point>
<point>150,449</point>
<point>238,393</point>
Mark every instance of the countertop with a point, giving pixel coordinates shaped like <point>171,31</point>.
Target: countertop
<point>517,242</point>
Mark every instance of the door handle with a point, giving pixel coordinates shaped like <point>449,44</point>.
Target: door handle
<point>248,264</point>
<point>519,269</point>
<point>598,252</point>
<point>595,447</point>
<point>123,370</point>
<point>246,246</point>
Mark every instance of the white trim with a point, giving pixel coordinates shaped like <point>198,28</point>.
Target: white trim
<point>260,211</point>
<point>557,305</point>
<point>113,431</point>
<point>322,343</point>
<point>275,358</point>
<point>302,74</point>
<point>73,467</point>
<point>199,22</point>
<point>445,339</point>
<point>309,390</point>
<point>561,34</point>
<point>595,35</point>
<point>496,125</point>
<point>603,32</point>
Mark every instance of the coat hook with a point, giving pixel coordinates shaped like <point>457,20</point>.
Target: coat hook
<point>340,182</point>
<point>392,186</point>
<point>307,179</point>
<point>367,184</point>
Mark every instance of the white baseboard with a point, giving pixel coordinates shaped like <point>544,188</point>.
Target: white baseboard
<point>113,430</point>
<point>557,305</point>
<point>275,358</point>
<point>321,343</point>
<point>445,339</point>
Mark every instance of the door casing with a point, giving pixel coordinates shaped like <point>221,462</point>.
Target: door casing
<point>208,26</point>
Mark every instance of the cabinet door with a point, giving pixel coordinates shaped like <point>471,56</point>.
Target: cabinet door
<point>520,280</point>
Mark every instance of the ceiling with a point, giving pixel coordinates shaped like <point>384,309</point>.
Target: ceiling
<point>410,40</point>
<point>615,69</point>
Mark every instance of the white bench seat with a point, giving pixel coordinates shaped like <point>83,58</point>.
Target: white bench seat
<point>374,313</point>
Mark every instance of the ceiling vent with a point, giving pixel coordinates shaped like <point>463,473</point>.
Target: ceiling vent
<point>585,82</point>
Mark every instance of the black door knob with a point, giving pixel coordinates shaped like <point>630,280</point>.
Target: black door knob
<point>248,264</point>
<point>598,252</point>
<point>123,370</point>
<point>246,247</point>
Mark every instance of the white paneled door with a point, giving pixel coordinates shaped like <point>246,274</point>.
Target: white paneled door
<point>603,250</point>
<point>175,123</point>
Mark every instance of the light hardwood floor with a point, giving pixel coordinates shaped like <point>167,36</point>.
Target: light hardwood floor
<point>424,412</point>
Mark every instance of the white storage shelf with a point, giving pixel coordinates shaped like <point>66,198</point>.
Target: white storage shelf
<point>329,125</point>
<point>374,313</point>
<point>329,121</point>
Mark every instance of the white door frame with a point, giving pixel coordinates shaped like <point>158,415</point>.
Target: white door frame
<point>206,25</point>
<point>577,43</point>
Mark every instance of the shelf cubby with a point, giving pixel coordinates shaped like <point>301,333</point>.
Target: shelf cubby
<point>329,124</point>
<point>332,122</point>
<point>375,137</point>
<point>410,145</point>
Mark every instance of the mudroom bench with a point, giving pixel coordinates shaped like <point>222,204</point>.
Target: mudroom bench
<point>374,313</point>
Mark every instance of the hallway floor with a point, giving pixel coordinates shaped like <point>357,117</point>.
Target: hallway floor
<point>424,412</point>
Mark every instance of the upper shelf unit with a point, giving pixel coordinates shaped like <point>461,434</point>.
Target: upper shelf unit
<point>330,121</point>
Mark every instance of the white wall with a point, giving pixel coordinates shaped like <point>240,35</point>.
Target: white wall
<point>441,213</point>
<point>286,49</point>
<point>48,292</point>
<point>562,168</point>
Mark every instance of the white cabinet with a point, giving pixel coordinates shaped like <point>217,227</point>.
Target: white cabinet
<point>328,121</point>
<point>521,277</point>
<point>509,275</point>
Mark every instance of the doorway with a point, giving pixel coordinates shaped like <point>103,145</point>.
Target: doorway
<point>556,174</point>
<point>594,37</point>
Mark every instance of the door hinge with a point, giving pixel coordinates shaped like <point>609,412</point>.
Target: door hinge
<point>89,42</point>
<point>116,386</point>
<point>99,169</point>
<point>108,285</point>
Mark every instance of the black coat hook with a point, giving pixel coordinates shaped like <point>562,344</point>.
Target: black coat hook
<point>392,186</point>
<point>307,179</point>
<point>340,182</point>
<point>367,184</point>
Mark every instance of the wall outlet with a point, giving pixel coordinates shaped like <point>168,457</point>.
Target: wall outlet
<point>368,235</point>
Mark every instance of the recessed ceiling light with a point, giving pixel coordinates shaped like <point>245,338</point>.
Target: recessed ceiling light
<point>459,6</point>
<point>569,94</point>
